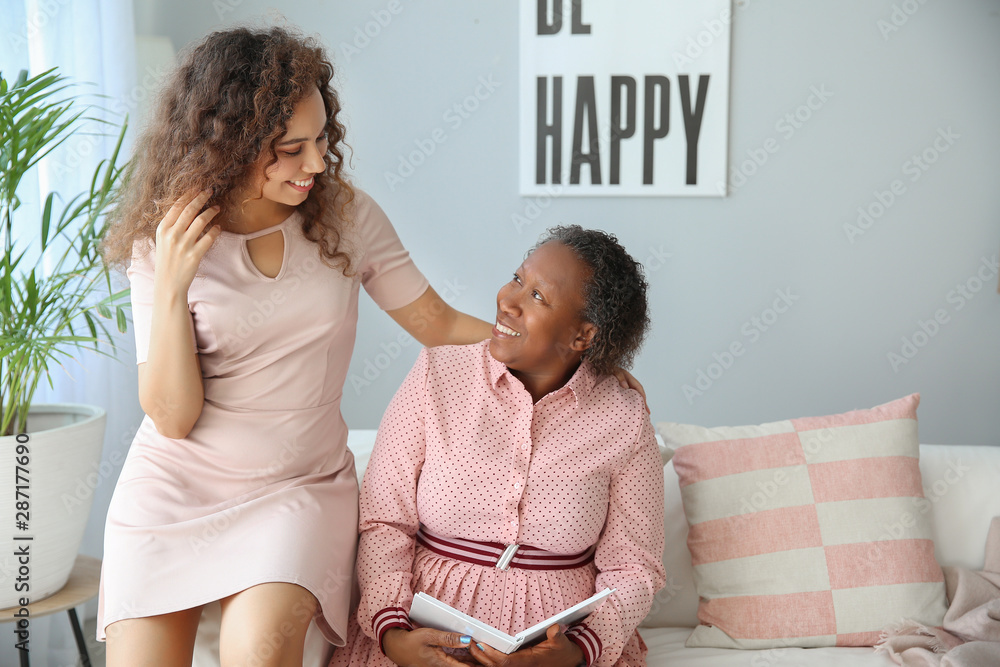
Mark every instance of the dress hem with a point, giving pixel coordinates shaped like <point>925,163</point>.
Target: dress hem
<point>319,617</point>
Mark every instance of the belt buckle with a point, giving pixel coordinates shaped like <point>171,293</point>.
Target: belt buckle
<point>507,556</point>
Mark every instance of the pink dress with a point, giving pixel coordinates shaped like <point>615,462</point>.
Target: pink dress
<point>263,488</point>
<point>463,450</point>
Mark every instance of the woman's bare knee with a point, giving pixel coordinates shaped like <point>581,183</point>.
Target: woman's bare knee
<point>265,625</point>
<point>164,640</point>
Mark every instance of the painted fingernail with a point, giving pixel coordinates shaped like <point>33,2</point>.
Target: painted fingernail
<point>465,639</point>
<point>480,647</point>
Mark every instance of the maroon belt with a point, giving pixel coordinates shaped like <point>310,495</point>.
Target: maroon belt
<point>501,556</point>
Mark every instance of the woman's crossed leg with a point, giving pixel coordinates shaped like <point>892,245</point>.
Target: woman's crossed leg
<point>265,625</point>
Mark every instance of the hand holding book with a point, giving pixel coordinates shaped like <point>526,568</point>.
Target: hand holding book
<point>426,647</point>
<point>432,613</point>
<point>556,651</point>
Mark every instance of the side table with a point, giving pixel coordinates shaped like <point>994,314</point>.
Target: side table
<point>83,584</point>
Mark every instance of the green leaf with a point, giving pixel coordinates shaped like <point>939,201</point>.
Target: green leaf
<point>90,323</point>
<point>46,217</point>
<point>31,289</point>
<point>122,322</point>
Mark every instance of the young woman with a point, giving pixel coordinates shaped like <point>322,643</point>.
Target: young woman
<point>248,247</point>
<point>522,439</point>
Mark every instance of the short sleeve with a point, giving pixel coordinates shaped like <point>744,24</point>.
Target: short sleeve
<point>387,273</point>
<point>140,277</point>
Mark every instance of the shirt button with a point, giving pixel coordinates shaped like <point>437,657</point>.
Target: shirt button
<point>517,486</point>
<point>513,524</point>
<point>526,446</point>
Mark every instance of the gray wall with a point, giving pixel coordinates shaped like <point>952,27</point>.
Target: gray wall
<point>714,264</point>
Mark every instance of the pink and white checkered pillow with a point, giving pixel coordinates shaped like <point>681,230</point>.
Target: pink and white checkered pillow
<point>808,532</point>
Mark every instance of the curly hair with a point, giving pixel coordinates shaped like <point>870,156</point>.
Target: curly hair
<point>226,103</point>
<point>614,294</point>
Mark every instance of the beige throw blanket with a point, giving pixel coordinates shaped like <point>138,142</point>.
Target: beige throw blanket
<point>970,634</point>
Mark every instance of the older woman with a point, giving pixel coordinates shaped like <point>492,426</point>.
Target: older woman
<point>524,439</point>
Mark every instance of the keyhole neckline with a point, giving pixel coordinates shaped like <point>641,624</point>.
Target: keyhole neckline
<point>245,250</point>
<point>266,230</point>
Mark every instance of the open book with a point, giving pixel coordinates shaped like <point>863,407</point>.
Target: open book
<point>432,613</point>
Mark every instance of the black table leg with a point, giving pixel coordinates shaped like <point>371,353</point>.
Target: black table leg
<point>80,642</point>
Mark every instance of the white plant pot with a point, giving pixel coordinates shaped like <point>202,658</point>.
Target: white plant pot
<point>63,453</point>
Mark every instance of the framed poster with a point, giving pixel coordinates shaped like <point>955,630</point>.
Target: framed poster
<point>624,97</point>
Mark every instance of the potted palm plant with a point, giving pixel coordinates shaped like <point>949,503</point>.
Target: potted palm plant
<point>55,299</point>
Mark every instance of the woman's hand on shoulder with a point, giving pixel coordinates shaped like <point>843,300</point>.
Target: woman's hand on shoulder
<point>178,247</point>
<point>556,651</point>
<point>628,381</point>
<point>425,647</point>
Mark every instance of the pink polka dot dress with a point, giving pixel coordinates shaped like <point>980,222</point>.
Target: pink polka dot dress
<point>463,452</point>
<point>263,488</point>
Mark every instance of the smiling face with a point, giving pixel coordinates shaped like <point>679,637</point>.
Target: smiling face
<point>300,156</point>
<point>539,333</point>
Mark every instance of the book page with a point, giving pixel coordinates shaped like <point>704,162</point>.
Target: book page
<point>569,617</point>
<point>432,613</point>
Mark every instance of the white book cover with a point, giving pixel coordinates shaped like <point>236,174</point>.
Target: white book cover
<point>432,613</point>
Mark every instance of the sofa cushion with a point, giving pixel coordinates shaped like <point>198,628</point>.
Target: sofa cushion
<point>807,532</point>
<point>667,649</point>
<point>960,485</point>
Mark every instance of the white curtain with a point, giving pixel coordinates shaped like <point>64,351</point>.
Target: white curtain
<point>90,41</point>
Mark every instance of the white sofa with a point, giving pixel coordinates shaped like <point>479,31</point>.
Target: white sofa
<point>962,483</point>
